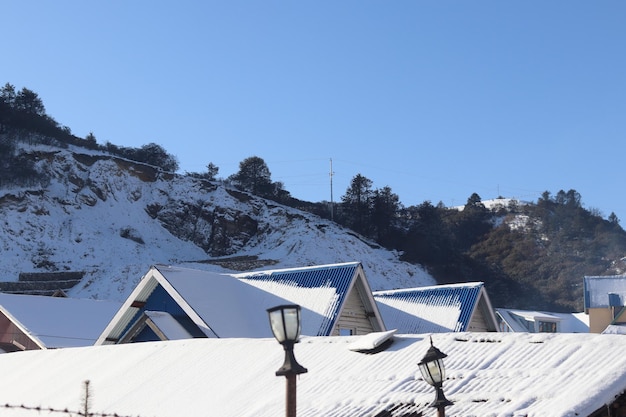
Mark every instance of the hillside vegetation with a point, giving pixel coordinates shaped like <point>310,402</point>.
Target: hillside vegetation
<point>531,255</point>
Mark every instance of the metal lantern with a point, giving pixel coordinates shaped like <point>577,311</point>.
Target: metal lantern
<point>434,372</point>
<point>285,324</point>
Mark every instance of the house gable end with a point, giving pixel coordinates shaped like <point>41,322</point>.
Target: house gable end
<point>162,302</point>
<point>359,312</point>
<point>155,326</point>
<point>483,318</point>
<point>14,336</point>
<point>361,303</point>
<point>153,292</point>
<point>130,310</point>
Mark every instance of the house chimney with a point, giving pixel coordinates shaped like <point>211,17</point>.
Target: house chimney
<point>615,302</point>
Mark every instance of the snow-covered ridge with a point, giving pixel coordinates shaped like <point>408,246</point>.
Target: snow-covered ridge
<point>113,219</point>
<point>498,203</point>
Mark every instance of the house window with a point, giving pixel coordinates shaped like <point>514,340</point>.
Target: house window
<point>547,327</point>
<point>346,332</point>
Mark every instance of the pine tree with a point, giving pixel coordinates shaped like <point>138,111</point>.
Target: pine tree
<point>29,102</point>
<point>357,203</point>
<point>254,177</point>
<point>385,207</point>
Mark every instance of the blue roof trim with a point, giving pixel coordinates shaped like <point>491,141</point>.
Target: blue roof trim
<point>464,297</point>
<point>338,277</point>
<point>586,298</point>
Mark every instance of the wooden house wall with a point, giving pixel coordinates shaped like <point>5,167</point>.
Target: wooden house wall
<point>599,319</point>
<point>483,319</point>
<point>353,316</point>
<point>478,323</point>
<point>12,335</point>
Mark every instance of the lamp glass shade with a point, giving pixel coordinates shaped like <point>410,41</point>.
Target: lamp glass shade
<point>433,372</point>
<point>285,322</point>
<point>431,366</point>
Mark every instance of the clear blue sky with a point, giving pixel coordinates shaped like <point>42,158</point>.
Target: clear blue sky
<point>435,99</point>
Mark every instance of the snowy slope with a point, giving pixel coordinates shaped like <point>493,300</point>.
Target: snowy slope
<point>95,215</point>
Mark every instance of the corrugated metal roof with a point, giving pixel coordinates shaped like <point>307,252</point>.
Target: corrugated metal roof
<point>487,374</point>
<point>598,288</point>
<point>337,276</point>
<point>433,309</point>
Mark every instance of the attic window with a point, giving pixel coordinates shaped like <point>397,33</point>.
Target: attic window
<point>347,332</point>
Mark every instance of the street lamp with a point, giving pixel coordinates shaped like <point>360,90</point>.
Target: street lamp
<point>285,324</point>
<point>434,372</point>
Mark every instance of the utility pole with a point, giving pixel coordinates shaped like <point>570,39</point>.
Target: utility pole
<point>331,191</point>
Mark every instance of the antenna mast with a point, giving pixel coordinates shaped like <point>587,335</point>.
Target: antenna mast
<point>331,191</point>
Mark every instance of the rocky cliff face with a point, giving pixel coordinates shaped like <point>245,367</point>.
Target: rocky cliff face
<point>110,219</point>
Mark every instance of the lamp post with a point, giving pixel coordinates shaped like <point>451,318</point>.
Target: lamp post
<point>285,324</point>
<point>434,372</point>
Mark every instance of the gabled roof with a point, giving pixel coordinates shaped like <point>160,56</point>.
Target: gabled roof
<point>234,305</point>
<point>319,282</point>
<point>568,322</point>
<point>604,291</point>
<point>435,309</point>
<point>488,374</point>
<point>162,324</point>
<point>54,322</point>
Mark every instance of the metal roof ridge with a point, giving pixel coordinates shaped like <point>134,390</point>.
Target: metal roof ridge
<point>475,284</point>
<point>295,269</point>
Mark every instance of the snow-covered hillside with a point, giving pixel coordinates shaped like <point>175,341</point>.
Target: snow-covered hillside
<point>113,219</point>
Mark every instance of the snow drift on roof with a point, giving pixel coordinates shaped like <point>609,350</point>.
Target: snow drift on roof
<point>488,374</point>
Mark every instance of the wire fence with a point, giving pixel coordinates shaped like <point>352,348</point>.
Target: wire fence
<point>66,411</point>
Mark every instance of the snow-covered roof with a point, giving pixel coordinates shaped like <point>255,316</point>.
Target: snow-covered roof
<point>615,329</point>
<point>604,291</point>
<point>568,322</point>
<point>54,322</point>
<point>234,305</point>
<point>433,309</point>
<point>488,374</point>
<point>322,289</point>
